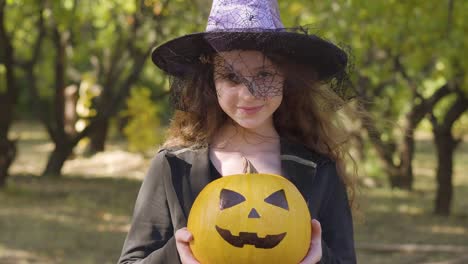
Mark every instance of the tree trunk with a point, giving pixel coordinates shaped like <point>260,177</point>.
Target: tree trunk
<point>60,64</point>
<point>401,180</point>
<point>98,137</point>
<point>7,156</point>
<point>445,145</point>
<point>58,132</point>
<point>400,174</point>
<point>405,177</point>
<point>7,147</point>
<point>7,99</point>
<point>57,159</point>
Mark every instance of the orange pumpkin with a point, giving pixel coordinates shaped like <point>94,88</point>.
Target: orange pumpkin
<point>250,218</point>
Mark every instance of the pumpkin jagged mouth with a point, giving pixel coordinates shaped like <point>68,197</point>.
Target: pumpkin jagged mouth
<point>269,241</point>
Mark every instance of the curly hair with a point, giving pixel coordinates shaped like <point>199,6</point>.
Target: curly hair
<point>307,114</point>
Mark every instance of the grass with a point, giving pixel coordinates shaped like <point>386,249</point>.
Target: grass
<point>84,217</point>
<point>74,220</point>
<point>400,217</point>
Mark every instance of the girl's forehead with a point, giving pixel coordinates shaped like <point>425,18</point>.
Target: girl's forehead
<point>241,59</point>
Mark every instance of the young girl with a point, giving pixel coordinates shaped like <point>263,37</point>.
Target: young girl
<point>248,93</point>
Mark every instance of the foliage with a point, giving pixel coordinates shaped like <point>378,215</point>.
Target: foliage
<point>143,130</point>
<point>460,128</point>
<point>103,38</point>
<point>400,50</point>
<point>377,31</point>
<point>88,91</point>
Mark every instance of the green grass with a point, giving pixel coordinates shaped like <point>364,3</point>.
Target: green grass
<point>84,217</point>
<point>73,220</point>
<point>400,217</point>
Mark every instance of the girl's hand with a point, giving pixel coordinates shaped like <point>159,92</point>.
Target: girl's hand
<point>315,251</point>
<point>183,238</point>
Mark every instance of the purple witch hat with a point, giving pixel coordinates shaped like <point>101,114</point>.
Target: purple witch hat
<point>249,25</point>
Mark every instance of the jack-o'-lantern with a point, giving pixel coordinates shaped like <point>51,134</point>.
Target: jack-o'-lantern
<point>250,218</point>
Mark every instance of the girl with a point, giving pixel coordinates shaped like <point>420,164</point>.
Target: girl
<point>248,93</point>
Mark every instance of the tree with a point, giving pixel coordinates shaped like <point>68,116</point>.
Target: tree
<point>446,144</point>
<point>118,36</point>
<point>8,98</point>
<point>12,59</point>
<point>451,110</point>
<point>125,65</point>
<point>397,47</point>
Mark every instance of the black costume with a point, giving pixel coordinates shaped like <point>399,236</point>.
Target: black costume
<point>177,176</point>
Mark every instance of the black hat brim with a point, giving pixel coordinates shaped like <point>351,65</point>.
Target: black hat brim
<point>181,55</point>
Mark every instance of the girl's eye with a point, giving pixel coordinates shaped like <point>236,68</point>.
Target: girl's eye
<point>264,74</point>
<point>232,77</point>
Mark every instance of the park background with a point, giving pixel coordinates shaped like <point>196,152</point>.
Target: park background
<point>82,110</point>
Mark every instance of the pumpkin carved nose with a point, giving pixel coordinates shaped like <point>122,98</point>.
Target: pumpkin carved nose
<point>253,214</point>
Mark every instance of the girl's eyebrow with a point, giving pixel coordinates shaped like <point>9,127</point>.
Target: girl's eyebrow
<point>262,67</point>
<point>227,68</point>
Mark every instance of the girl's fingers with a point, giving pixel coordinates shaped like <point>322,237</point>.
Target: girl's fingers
<point>183,235</point>
<point>316,229</point>
<point>183,238</point>
<point>315,250</point>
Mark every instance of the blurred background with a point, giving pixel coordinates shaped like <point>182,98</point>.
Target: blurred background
<point>82,110</point>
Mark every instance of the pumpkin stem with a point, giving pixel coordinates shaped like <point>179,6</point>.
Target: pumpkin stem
<point>249,167</point>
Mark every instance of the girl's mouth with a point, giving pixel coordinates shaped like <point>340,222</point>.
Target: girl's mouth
<point>250,109</point>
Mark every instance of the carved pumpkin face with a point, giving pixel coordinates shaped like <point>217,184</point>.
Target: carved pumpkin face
<point>250,218</point>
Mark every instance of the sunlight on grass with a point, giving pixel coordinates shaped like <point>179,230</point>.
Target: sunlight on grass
<point>385,193</point>
<point>29,131</point>
<point>33,149</point>
<point>410,209</point>
<point>46,147</point>
<point>113,223</point>
<point>108,164</point>
<point>100,221</point>
<point>15,256</point>
<point>380,208</point>
<point>451,230</point>
<point>421,171</point>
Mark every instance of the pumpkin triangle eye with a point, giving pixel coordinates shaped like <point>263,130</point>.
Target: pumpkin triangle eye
<point>278,198</point>
<point>228,198</point>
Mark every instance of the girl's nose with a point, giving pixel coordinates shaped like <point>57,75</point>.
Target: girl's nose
<point>245,92</point>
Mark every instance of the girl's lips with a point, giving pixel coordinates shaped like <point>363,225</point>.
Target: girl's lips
<point>250,109</point>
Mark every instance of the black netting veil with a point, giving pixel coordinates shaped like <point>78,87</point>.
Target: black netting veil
<point>240,38</point>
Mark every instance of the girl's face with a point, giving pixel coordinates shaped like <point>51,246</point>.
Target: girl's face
<point>249,87</point>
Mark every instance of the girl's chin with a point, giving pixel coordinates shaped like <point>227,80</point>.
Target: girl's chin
<point>249,125</point>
